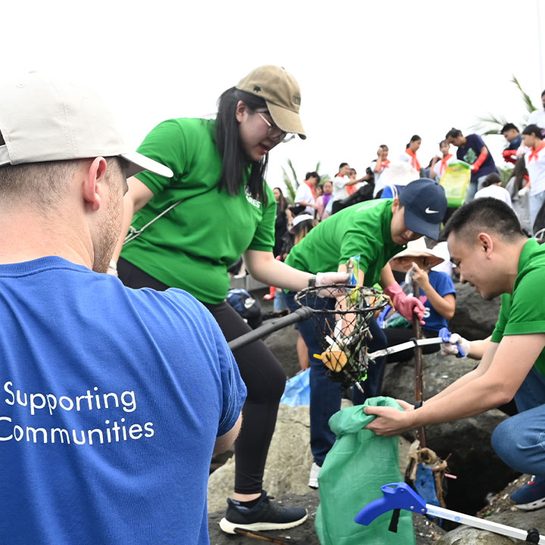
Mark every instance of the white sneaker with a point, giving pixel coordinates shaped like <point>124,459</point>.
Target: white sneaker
<point>313,477</point>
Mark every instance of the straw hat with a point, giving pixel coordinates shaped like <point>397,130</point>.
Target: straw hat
<point>418,253</point>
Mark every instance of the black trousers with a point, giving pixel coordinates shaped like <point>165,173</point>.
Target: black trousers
<point>260,371</point>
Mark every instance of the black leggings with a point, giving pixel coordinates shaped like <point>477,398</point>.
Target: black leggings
<point>262,374</point>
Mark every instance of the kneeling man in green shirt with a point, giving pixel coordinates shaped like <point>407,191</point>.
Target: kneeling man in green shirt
<point>492,253</point>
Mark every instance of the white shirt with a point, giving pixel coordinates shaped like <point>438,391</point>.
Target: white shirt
<point>304,194</point>
<point>339,188</point>
<point>536,171</point>
<point>495,191</point>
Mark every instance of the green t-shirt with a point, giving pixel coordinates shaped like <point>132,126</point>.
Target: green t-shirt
<point>360,230</point>
<point>192,245</point>
<point>523,311</point>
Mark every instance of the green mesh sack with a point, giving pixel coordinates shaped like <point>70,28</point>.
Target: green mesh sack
<point>359,463</point>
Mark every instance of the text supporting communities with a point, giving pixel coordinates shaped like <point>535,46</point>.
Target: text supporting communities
<point>93,417</point>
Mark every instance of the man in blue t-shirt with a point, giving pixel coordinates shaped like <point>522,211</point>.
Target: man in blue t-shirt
<point>472,150</point>
<point>513,138</point>
<point>112,400</point>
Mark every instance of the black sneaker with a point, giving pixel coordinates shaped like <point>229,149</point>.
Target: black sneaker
<point>265,515</point>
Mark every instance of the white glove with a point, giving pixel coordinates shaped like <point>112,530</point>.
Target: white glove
<point>329,279</point>
<point>456,345</point>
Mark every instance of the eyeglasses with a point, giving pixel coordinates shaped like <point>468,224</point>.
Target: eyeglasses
<point>274,132</point>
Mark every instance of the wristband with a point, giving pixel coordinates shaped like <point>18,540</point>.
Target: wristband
<point>312,282</point>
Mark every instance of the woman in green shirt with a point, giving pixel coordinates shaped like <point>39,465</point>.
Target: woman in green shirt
<point>195,225</point>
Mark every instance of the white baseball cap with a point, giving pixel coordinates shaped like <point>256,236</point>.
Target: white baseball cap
<point>46,118</point>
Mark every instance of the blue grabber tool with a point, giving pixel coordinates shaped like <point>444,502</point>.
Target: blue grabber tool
<point>397,496</point>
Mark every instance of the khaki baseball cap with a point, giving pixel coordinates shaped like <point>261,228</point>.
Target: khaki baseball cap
<point>46,118</point>
<point>280,91</point>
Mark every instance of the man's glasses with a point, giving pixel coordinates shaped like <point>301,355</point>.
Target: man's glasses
<point>274,132</point>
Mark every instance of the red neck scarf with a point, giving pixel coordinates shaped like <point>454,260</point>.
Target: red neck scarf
<point>535,151</point>
<point>312,189</point>
<point>414,161</point>
<point>444,161</point>
<point>385,164</point>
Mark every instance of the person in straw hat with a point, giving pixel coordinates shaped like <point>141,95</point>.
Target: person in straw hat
<point>435,288</point>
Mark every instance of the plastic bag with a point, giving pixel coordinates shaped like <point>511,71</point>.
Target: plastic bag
<point>297,390</point>
<point>359,463</point>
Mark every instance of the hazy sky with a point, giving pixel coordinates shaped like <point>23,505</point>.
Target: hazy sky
<point>370,72</point>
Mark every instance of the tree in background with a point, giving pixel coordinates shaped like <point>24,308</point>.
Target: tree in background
<point>291,180</point>
<point>492,124</point>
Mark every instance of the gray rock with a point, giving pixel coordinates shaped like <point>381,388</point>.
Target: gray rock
<point>288,463</point>
<point>471,536</point>
<point>475,318</point>
<point>282,345</point>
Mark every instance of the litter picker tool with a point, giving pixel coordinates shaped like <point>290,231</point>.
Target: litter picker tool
<point>261,536</point>
<point>397,496</point>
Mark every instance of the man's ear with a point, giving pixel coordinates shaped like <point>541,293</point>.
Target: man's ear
<point>486,242</point>
<point>94,175</point>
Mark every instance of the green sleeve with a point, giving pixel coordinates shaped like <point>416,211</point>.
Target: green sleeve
<point>527,315</point>
<point>499,329</point>
<point>264,235</point>
<point>165,143</point>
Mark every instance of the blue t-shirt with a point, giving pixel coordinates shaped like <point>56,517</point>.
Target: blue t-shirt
<point>469,153</point>
<point>442,283</point>
<point>111,400</point>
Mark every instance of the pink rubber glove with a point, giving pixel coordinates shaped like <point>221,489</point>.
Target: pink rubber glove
<point>406,305</point>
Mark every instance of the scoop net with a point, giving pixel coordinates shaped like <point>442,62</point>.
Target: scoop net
<point>341,316</point>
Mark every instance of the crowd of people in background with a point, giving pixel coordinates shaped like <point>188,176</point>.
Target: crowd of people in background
<point>520,183</point>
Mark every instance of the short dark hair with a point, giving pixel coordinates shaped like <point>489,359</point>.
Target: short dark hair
<point>453,133</point>
<point>312,174</point>
<point>486,214</point>
<point>533,130</point>
<point>543,93</point>
<point>343,165</point>
<point>509,127</point>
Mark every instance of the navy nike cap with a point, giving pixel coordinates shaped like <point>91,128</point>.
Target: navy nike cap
<point>425,205</point>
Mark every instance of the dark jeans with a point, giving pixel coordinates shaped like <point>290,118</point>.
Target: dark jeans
<point>260,371</point>
<point>326,394</point>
